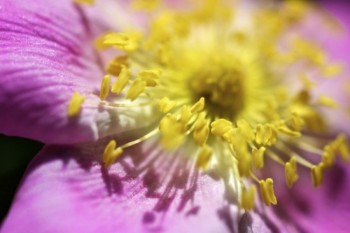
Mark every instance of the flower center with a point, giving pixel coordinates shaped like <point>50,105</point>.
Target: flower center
<point>219,85</point>
<point>222,87</point>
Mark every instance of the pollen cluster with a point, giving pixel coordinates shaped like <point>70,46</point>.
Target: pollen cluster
<point>218,76</point>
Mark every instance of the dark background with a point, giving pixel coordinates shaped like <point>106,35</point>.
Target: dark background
<point>15,154</point>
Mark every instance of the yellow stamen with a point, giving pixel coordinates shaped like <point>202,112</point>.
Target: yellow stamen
<point>290,169</point>
<point>332,70</point>
<point>290,132</point>
<point>204,156</point>
<point>246,130</point>
<point>122,80</point>
<point>105,87</point>
<point>136,88</point>
<point>124,41</point>
<point>317,174</point>
<point>267,192</point>
<point>145,4</point>
<point>185,114</point>
<point>200,135</point>
<point>220,127</point>
<point>165,105</point>
<point>328,155</point>
<point>198,106</point>
<point>342,147</point>
<point>150,77</point>
<point>75,104</point>
<point>172,132</point>
<point>116,65</point>
<point>258,157</point>
<point>327,101</point>
<point>265,134</point>
<point>88,2</point>
<point>248,198</point>
<point>245,161</point>
<point>246,115</point>
<point>111,153</point>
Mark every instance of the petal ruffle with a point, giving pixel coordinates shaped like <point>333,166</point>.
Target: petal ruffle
<point>66,190</point>
<point>45,55</point>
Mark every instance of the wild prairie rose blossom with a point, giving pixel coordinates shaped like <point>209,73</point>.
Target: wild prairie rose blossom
<point>172,116</point>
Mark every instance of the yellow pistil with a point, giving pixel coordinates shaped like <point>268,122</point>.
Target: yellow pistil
<point>233,95</point>
<point>75,104</point>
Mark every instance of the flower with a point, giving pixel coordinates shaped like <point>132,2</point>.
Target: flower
<point>200,106</point>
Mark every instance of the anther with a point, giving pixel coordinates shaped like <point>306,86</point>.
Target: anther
<point>198,106</point>
<point>185,114</point>
<point>246,130</point>
<point>172,132</point>
<point>343,147</point>
<point>122,80</point>
<point>201,135</point>
<point>267,192</point>
<point>220,127</point>
<point>75,104</point>
<point>317,174</point>
<point>258,157</point>
<point>165,104</point>
<point>204,156</point>
<point>244,161</point>
<point>111,153</point>
<point>290,170</point>
<point>327,101</point>
<point>265,134</point>
<point>248,198</point>
<point>150,77</point>
<point>136,88</point>
<point>123,41</point>
<point>116,65</point>
<point>105,86</point>
<point>328,155</point>
<point>87,2</point>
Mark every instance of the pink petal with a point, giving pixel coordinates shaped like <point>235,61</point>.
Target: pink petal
<point>321,210</point>
<point>45,55</point>
<point>67,190</point>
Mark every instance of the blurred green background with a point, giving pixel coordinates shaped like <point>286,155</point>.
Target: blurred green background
<point>15,154</point>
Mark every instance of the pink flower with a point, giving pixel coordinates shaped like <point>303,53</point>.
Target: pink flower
<point>218,102</point>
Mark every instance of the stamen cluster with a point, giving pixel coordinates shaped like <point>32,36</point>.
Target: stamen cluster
<point>221,92</point>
